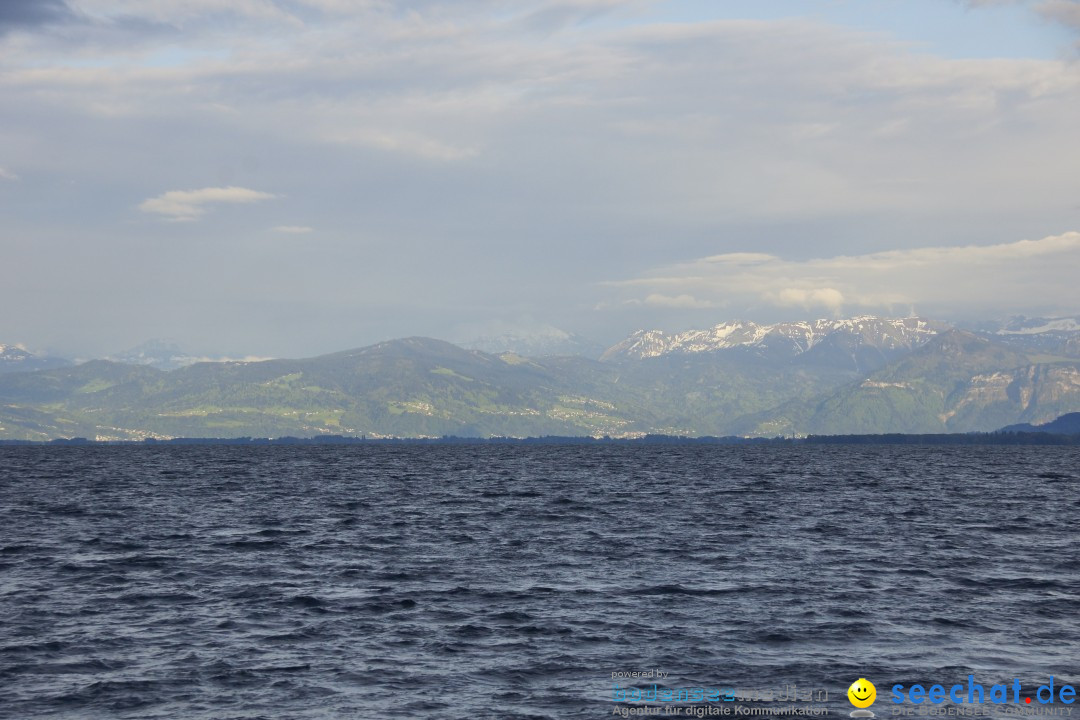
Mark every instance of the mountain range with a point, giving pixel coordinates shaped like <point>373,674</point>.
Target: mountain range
<point>861,375</point>
<point>859,343</point>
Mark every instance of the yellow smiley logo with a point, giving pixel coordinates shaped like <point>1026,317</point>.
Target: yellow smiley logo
<point>862,693</point>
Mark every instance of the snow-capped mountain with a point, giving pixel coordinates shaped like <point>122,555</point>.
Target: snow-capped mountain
<point>13,353</point>
<point>1020,325</point>
<point>16,358</point>
<point>1055,335</point>
<point>853,336</point>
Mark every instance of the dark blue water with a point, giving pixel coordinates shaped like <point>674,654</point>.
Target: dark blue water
<point>511,582</point>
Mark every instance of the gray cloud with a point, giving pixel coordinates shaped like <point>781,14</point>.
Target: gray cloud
<point>1066,12</point>
<point>1063,12</point>
<point>32,13</point>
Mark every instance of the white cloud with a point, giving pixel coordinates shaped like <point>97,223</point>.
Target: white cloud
<point>7,174</point>
<point>186,205</point>
<point>829,298</point>
<point>675,301</point>
<point>293,229</point>
<point>1013,277</point>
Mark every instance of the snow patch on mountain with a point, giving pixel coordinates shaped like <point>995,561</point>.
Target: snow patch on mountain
<point>793,338</point>
<point>17,358</point>
<point>1036,326</point>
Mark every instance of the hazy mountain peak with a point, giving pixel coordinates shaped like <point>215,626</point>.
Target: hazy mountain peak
<point>165,355</point>
<point>16,358</point>
<point>156,353</point>
<point>537,341</point>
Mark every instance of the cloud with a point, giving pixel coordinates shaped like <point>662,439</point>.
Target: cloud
<point>829,298</point>
<point>560,14</point>
<point>293,229</point>
<point>677,301</point>
<point>1012,277</point>
<point>536,144</point>
<point>7,174</point>
<point>408,143</point>
<point>186,205</point>
<point>1066,12</point>
<point>989,3</point>
<point>32,13</point>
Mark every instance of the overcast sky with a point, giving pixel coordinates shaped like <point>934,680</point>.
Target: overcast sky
<point>292,177</point>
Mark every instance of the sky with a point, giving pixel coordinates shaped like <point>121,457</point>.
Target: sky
<point>292,177</point>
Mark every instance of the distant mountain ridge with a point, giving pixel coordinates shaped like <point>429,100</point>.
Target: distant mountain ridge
<point>1060,335</point>
<point>1021,325</point>
<point>165,355</point>
<point>1068,424</point>
<point>16,358</point>
<point>540,341</point>
<point>859,376</point>
<point>160,354</point>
